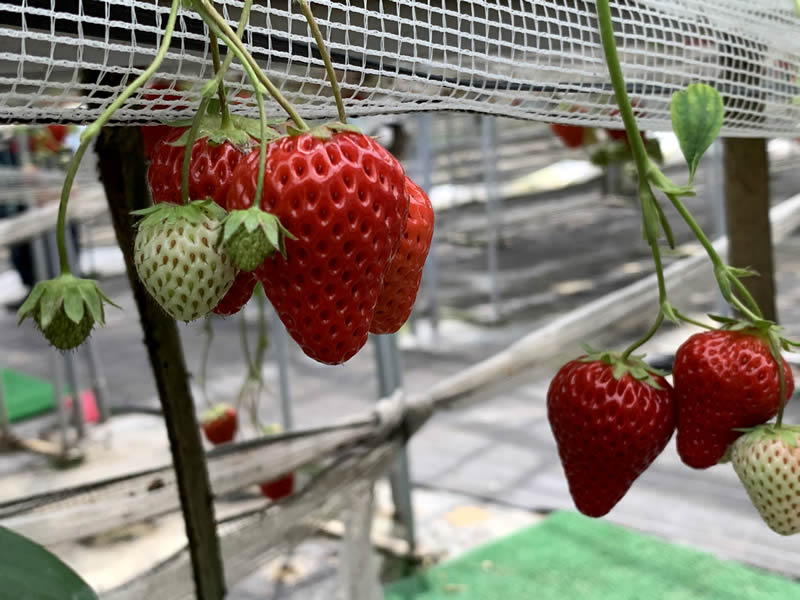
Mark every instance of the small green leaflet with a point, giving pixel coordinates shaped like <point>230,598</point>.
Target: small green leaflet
<point>697,115</point>
<point>30,571</point>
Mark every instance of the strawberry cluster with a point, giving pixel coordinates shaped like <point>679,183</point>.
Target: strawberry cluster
<point>611,416</point>
<point>344,253</point>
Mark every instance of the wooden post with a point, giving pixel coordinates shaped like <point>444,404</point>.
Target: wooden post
<point>747,208</point>
<point>122,170</point>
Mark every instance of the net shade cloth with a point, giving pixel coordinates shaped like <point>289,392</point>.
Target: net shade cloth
<point>62,60</point>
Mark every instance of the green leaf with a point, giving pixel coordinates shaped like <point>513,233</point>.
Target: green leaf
<point>73,303</point>
<point>697,116</point>
<point>27,570</point>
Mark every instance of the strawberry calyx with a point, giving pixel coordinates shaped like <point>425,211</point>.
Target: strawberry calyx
<point>788,434</point>
<point>216,412</point>
<point>242,132</point>
<point>252,235</point>
<point>65,309</point>
<point>326,131</point>
<point>176,214</point>
<point>633,365</point>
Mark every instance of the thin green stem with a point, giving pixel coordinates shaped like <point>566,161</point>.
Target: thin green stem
<point>781,387</point>
<point>187,153</point>
<point>93,130</point>
<point>621,94</point>
<point>216,22</point>
<point>208,330</point>
<point>223,97</point>
<point>262,148</point>
<point>691,321</point>
<point>263,336</point>
<point>61,225</point>
<point>716,260</point>
<point>243,18</point>
<point>248,357</point>
<point>326,58</point>
<point>646,337</point>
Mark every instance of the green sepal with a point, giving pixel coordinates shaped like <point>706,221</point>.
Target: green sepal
<point>634,365</point>
<point>651,220</point>
<point>252,235</point>
<point>669,312</point>
<point>244,132</point>
<point>697,116</point>
<point>327,131</point>
<point>72,305</point>
<point>214,413</point>
<point>788,434</point>
<point>167,213</point>
<point>742,272</point>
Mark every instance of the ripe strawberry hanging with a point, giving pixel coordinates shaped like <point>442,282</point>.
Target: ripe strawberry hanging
<point>767,461</point>
<point>240,293</point>
<point>178,260</point>
<point>573,136</point>
<point>723,380</point>
<point>405,271</point>
<point>220,424</point>
<point>343,196</point>
<point>210,168</point>
<point>610,422</point>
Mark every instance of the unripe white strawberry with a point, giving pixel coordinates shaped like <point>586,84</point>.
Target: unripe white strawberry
<point>179,260</point>
<point>767,461</point>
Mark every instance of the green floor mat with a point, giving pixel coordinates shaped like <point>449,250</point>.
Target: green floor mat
<point>571,557</point>
<point>25,396</point>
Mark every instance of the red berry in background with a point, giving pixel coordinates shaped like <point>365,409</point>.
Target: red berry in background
<point>402,280</point>
<point>608,430</point>
<point>571,135</point>
<point>210,169</point>
<point>723,380</point>
<point>240,293</point>
<point>220,424</point>
<point>344,198</point>
<point>278,488</point>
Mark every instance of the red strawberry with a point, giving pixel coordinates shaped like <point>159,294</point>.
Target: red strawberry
<point>152,134</point>
<point>219,424</point>
<point>571,135</point>
<point>608,428</point>
<point>278,488</point>
<point>405,272</point>
<point>723,380</point>
<point>344,198</point>
<point>240,293</point>
<point>210,169</point>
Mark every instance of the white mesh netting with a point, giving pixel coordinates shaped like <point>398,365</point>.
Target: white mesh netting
<point>533,59</point>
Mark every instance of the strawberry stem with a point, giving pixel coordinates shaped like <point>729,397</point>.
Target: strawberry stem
<point>648,202</point>
<point>218,24</point>
<point>93,130</point>
<point>223,97</point>
<point>187,152</point>
<point>208,330</point>
<point>326,58</point>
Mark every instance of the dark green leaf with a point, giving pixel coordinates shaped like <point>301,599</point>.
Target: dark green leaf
<point>697,116</point>
<point>27,570</point>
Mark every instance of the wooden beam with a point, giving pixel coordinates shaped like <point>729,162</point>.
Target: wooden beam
<point>747,207</point>
<point>123,172</point>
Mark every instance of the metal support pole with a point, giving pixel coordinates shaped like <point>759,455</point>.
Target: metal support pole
<point>430,274</point>
<point>282,350</point>
<point>40,269</point>
<point>69,360</point>
<point>493,213</point>
<point>387,357</point>
<point>98,380</point>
